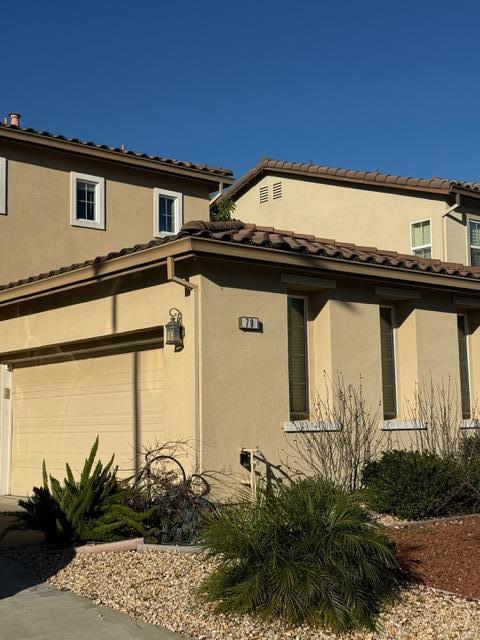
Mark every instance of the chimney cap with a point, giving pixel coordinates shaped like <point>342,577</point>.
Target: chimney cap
<point>14,119</point>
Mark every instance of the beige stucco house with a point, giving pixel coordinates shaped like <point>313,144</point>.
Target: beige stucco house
<point>265,314</point>
<point>63,200</point>
<point>429,217</point>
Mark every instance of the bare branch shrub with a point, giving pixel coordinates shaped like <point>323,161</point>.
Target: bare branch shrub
<point>436,414</point>
<point>341,437</point>
<point>174,497</point>
<point>436,411</point>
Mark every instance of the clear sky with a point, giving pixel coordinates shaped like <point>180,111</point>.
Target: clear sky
<point>362,84</point>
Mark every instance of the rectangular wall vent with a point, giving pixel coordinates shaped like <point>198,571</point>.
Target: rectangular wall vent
<point>263,194</point>
<point>277,190</point>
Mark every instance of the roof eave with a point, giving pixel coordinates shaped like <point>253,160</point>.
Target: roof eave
<point>96,272</point>
<point>109,155</point>
<point>190,245</point>
<point>262,168</point>
<point>468,193</point>
<point>208,246</point>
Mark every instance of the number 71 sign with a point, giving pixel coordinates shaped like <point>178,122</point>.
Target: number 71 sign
<point>249,323</point>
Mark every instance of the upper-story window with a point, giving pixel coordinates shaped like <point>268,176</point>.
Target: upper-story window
<point>167,211</point>
<point>3,186</point>
<point>475,243</point>
<point>421,239</point>
<point>87,201</point>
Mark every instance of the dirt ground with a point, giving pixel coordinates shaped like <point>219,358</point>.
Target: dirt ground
<point>445,555</point>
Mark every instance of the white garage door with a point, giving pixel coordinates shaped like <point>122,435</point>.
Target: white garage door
<point>58,410</point>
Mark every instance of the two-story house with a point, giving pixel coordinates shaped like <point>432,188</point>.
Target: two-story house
<point>428,217</point>
<point>63,200</point>
<point>220,334</point>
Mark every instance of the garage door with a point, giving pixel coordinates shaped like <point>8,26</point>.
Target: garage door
<point>58,410</point>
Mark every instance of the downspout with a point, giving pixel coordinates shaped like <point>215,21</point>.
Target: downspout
<point>444,230</point>
<point>188,286</point>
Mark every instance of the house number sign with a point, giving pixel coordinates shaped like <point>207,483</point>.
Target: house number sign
<point>249,323</point>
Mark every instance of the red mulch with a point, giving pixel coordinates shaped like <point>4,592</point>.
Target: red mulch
<point>445,555</point>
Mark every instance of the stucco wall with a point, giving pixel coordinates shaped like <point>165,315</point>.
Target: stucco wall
<point>132,310</point>
<point>365,216</point>
<point>245,376</point>
<point>36,234</point>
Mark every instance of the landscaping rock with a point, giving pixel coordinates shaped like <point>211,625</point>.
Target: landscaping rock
<point>160,588</point>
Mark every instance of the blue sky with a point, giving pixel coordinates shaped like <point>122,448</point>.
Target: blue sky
<point>367,85</point>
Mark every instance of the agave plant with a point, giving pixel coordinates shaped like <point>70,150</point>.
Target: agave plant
<point>309,554</point>
<point>90,509</point>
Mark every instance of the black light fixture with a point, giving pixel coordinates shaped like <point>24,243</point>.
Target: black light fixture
<point>175,330</point>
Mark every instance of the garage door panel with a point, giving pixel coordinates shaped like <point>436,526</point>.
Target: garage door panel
<point>58,409</point>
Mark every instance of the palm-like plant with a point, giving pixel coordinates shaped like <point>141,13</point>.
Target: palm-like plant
<point>309,554</point>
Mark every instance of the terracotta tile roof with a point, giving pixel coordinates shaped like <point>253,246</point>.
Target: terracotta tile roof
<point>439,185</point>
<point>237,232</point>
<point>217,171</point>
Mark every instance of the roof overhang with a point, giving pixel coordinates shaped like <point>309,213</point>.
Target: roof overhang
<point>102,153</point>
<point>192,247</point>
<point>368,179</point>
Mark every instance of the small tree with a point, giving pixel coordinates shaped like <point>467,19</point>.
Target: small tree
<point>222,209</point>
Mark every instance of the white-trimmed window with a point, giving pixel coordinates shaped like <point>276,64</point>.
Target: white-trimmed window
<point>167,212</point>
<point>3,186</point>
<point>87,201</point>
<point>421,237</point>
<point>474,232</point>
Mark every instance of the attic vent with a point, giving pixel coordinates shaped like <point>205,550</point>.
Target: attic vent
<point>263,194</point>
<point>277,190</point>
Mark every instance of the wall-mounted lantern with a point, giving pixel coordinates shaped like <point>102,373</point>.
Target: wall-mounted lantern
<point>175,330</point>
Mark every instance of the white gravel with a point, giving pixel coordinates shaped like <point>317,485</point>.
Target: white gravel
<point>160,588</point>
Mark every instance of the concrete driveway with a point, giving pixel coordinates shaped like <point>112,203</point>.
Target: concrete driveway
<point>8,506</point>
<point>33,610</point>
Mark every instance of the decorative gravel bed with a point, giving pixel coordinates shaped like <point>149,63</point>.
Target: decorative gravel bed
<point>444,554</point>
<point>160,588</point>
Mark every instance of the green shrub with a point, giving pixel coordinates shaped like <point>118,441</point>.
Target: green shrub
<point>469,470</point>
<point>90,509</point>
<point>308,554</point>
<point>413,485</point>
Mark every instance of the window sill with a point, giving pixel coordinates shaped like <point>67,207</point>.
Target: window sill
<point>470,423</point>
<point>166,234</point>
<point>310,426</point>
<point>402,425</point>
<point>88,224</point>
